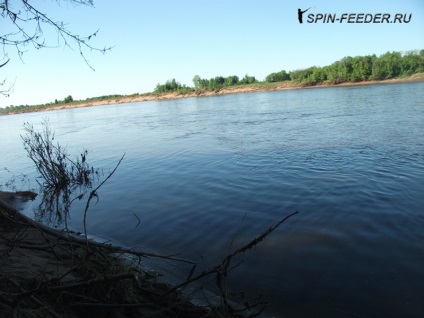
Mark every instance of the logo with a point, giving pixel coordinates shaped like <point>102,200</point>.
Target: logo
<point>358,18</point>
<point>300,14</point>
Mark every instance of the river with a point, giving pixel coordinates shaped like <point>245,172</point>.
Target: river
<point>200,173</point>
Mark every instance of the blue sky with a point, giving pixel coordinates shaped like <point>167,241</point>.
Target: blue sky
<point>157,40</point>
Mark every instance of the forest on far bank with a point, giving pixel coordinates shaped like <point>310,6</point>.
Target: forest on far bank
<point>349,69</point>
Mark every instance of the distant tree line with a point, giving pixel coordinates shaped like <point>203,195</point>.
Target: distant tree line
<point>203,83</point>
<point>348,69</point>
<point>106,97</point>
<point>171,86</point>
<point>220,81</point>
<point>66,100</point>
<point>26,108</point>
<point>277,77</point>
<point>360,68</point>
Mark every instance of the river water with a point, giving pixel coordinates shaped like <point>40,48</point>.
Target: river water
<point>201,173</point>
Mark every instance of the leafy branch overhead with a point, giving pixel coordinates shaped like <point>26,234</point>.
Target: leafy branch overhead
<point>26,24</point>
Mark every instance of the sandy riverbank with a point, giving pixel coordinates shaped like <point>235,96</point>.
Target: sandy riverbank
<point>259,87</point>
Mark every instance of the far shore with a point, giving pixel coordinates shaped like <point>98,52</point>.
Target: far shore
<point>257,87</point>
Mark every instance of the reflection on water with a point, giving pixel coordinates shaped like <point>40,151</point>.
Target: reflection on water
<point>64,179</point>
<point>200,172</point>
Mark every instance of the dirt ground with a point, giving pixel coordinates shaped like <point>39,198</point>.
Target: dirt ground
<point>45,275</point>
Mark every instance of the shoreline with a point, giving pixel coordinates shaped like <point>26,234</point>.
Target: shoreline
<point>51,272</point>
<point>251,88</point>
<point>46,273</point>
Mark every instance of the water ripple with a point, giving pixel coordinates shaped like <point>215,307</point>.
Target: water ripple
<point>350,159</point>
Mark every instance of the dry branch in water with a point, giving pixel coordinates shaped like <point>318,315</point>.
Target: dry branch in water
<point>105,282</point>
<point>84,293</point>
<point>221,270</point>
<point>64,179</point>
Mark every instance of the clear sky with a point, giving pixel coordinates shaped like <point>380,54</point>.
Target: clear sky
<point>157,40</point>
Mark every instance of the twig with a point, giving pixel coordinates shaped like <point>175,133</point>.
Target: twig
<point>223,266</point>
<point>39,302</point>
<point>93,194</point>
<point>87,283</point>
<point>137,219</point>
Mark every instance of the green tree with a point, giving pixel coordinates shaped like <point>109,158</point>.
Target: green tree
<point>336,73</point>
<point>387,66</point>
<point>340,71</point>
<point>318,75</point>
<point>68,99</point>
<point>217,82</point>
<point>277,77</point>
<point>172,86</point>
<point>412,62</point>
<point>204,83</point>
<point>301,75</point>
<point>197,81</point>
<point>231,80</point>
<point>248,80</point>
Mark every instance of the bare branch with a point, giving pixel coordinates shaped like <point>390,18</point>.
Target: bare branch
<point>1,65</point>
<point>26,28</point>
<point>222,268</point>
<point>93,194</point>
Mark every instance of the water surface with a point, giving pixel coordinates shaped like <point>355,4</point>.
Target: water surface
<point>201,172</point>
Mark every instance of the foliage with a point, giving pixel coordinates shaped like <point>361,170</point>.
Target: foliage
<point>231,80</point>
<point>277,77</point>
<point>171,86</point>
<point>68,99</point>
<point>219,82</point>
<point>56,102</point>
<point>104,97</point>
<point>300,75</point>
<point>362,68</point>
<point>248,80</point>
